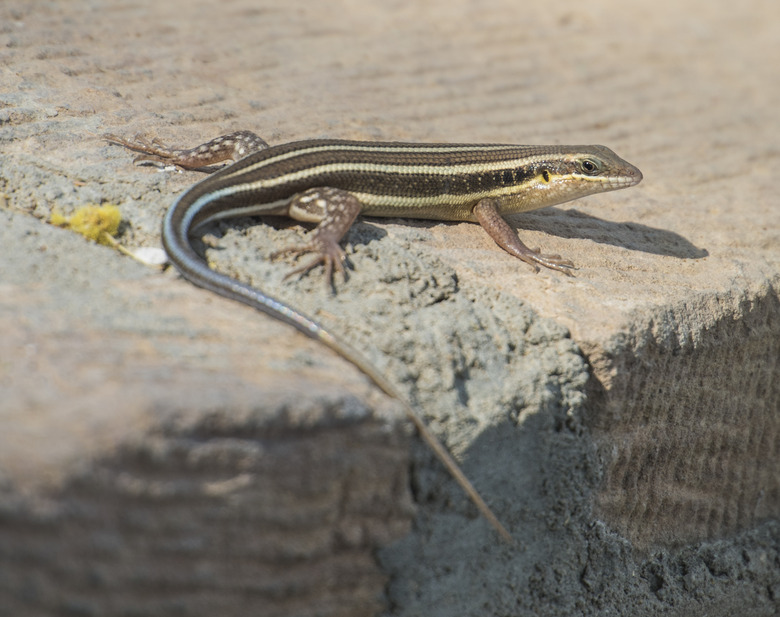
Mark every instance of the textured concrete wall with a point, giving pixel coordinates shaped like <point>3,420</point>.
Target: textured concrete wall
<point>691,430</point>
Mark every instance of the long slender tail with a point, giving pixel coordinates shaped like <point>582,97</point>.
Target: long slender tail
<point>193,268</point>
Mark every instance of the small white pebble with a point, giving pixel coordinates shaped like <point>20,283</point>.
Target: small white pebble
<point>150,256</point>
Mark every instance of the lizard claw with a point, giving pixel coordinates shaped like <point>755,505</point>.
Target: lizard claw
<point>330,255</point>
<point>536,258</point>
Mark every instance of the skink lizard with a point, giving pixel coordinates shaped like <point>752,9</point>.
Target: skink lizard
<point>330,182</point>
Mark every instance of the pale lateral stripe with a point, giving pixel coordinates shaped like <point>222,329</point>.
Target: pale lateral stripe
<point>253,210</point>
<point>371,199</point>
<point>367,199</point>
<point>371,148</point>
<point>401,170</point>
<point>204,200</point>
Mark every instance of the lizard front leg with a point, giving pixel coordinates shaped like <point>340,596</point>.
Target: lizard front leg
<point>506,237</point>
<point>334,210</point>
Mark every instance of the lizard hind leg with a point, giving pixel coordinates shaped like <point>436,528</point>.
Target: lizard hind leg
<point>334,210</point>
<point>232,147</point>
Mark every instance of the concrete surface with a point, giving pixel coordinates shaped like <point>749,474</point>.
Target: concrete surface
<point>166,452</point>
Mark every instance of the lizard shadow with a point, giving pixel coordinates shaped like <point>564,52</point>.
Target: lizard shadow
<point>572,223</point>
<point>564,223</point>
<point>568,223</point>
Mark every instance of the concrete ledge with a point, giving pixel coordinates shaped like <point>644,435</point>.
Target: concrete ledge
<point>143,469</point>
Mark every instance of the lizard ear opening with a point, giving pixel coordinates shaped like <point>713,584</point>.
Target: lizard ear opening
<point>545,175</point>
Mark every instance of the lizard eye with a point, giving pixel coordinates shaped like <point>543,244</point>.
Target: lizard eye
<point>589,166</point>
